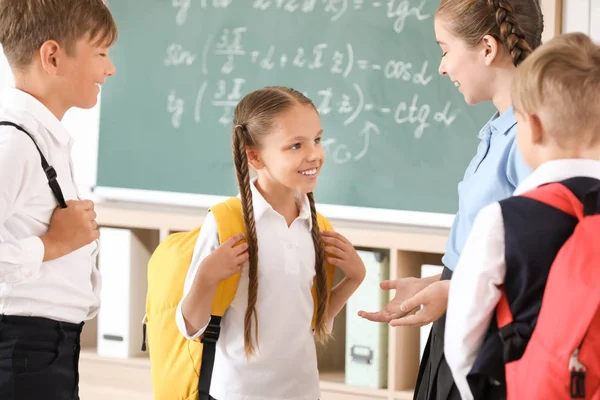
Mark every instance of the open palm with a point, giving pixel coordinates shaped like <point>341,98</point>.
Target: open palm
<point>405,289</point>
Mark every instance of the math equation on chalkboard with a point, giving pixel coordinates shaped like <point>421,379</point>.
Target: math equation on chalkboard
<point>227,62</point>
<point>397,134</point>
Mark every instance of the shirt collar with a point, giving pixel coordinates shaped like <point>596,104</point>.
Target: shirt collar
<point>559,170</point>
<point>13,98</point>
<point>261,206</point>
<point>499,123</point>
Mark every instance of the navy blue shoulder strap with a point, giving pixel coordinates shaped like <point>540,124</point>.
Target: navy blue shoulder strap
<point>48,169</point>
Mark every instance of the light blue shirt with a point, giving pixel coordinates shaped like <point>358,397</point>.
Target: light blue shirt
<point>493,174</point>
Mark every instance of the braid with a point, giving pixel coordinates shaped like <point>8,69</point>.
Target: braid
<point>243,177</point>
<point>254,118</point>
<point>321,274</point>
<point>510,34</point>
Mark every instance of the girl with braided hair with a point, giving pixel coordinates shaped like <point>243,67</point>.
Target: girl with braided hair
<point>266,349</point>
<point>482,43</point>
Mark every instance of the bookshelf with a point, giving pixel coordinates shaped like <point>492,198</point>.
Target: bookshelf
<point>409,248</point>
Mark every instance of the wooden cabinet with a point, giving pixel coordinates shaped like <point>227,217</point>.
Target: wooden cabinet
<point>409,248</point>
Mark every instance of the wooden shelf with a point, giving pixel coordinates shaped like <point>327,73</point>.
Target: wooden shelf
<point>335,382</point>
<point>132,362</point>
<point>365,234</point>
<point>333,377</point>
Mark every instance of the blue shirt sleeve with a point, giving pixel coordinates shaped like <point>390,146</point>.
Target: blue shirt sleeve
<point>516,168</point>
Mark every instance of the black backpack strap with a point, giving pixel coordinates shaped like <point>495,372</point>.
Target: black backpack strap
<point>209,341</point>
<point>48,169</point>
<point>591,205</point>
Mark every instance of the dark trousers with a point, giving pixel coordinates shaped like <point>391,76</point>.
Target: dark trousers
<point>39,359</point>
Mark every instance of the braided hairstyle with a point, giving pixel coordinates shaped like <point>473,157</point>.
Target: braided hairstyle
<point>517,24</point>
<point>254,117</point>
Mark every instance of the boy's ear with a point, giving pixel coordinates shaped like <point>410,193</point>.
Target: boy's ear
<point>50,54</point>
<point>535,127</point>
<point>254,158</point>
<point>490,48</point>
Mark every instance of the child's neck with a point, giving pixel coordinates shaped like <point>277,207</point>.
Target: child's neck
<point>31,84</point>
<point>502,95</point>
<point>552,153</point>
<point>282,199</point>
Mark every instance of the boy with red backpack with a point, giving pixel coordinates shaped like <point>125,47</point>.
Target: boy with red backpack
<point>523,318</point>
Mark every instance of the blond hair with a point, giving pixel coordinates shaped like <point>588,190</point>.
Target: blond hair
<point>255,117</point>
<point>26,24</point>
<point>560,83</point>
<point>517,24</point>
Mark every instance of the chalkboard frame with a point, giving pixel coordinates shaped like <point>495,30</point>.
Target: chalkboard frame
<point>332,211</point>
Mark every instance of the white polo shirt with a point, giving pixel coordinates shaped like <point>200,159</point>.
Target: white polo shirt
<point>66,289</point>
<point>285,366</point>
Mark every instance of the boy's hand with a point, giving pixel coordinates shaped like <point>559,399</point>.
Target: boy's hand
<point>70,229</point>
<point>405,289</point>
<point>341,253</point>
<point>434,299</point>
<point>227,260</point>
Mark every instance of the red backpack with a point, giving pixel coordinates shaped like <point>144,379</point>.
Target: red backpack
<point>562,357</point>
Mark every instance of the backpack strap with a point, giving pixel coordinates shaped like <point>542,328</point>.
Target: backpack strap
<point>230,222</point>
<point>562,198</point>
<point>324,225</point>
<point>513,341</point>
<point>591,202</point>
<point>558,196</point>
<point>48,169</point>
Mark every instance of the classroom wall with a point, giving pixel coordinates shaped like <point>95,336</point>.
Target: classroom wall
<point>582,16</point>
<point>578,15</point>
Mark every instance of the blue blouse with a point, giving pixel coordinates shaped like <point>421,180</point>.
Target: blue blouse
<point>493,174</point>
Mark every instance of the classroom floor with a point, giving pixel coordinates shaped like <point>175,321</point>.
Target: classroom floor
<point>102,379</point>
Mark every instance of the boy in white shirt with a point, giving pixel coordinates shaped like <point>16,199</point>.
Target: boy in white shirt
<point>49,284</point>
<point>513,243</point>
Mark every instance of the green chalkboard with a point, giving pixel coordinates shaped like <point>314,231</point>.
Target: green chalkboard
<point>397,134</point>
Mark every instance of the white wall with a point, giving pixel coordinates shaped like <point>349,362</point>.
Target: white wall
<point>578,15</point>
<point>582,16</point>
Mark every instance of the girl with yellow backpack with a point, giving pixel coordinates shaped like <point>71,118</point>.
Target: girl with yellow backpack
<point>258,308</point>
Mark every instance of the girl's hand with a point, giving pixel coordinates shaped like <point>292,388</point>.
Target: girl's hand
<point>341,253</point>
<point>434,299</point>
<point>227,260</point>
<point>405,289</point>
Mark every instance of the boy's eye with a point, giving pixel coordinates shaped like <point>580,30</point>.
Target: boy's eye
<point>318,140</point>
<point>102,54</point>
<point>295,146</point>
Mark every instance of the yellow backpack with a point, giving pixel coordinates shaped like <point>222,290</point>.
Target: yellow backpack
<point>176,361</point>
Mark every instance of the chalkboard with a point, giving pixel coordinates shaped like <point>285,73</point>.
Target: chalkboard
<point>397,135</point>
